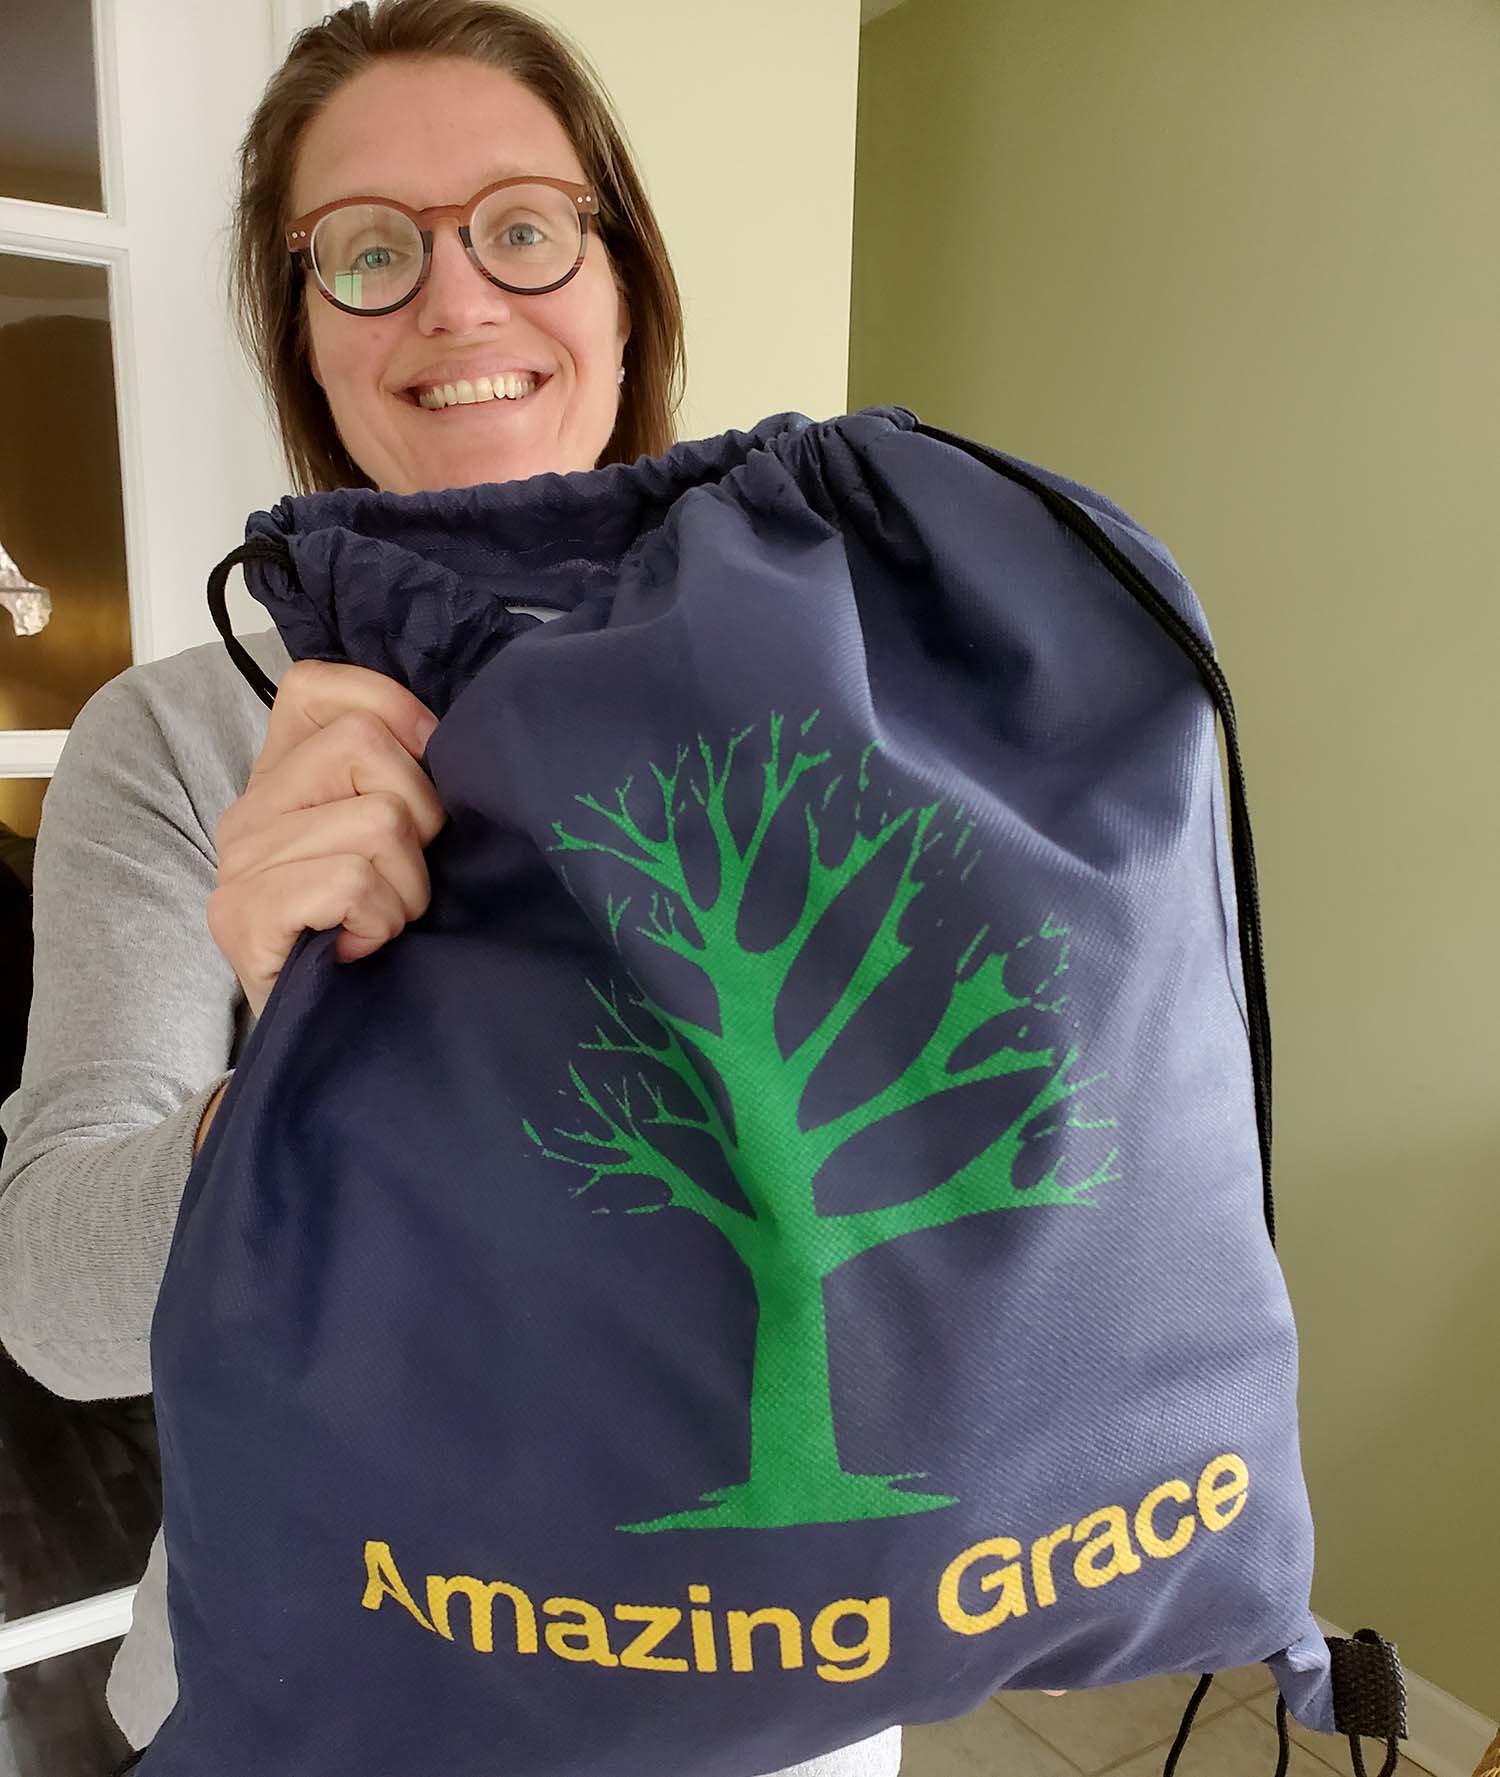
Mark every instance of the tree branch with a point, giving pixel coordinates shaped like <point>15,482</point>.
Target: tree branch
<point>986,1183</point>
<point>713,807</point>
<point>776,794</point>
<point>661,863</point>
<point>884,952</point>
<point>970,1006</point>
<point>663,931</point>
<point>676,1060</point>
<point>668,787</point>
<point>642,1158</point>
<point>570,842</point>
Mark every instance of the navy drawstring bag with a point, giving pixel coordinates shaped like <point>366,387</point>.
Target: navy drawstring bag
<point>784,1245</point>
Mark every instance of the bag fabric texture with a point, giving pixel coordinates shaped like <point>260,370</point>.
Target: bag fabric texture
<point>781,1246</point>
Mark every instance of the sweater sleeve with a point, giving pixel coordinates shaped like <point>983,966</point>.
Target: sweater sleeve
<point>136,1018</point>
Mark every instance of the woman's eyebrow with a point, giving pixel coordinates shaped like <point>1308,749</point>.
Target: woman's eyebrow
<point>509,171</point>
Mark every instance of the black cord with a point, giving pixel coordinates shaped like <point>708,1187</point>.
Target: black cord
<point>1187,1725</point>
<point>1242,844</point>
<point>253,549</point>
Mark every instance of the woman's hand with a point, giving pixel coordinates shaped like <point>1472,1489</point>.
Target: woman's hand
<point>331,828</point>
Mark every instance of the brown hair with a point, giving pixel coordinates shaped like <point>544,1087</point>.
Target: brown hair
<point>267,286</point>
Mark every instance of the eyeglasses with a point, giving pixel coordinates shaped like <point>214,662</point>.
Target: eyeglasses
<point>371,255</point>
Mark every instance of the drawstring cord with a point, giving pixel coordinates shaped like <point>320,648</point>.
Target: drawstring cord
<point>253,549</point>
<point>1392,1753</point>
<point>1380,1685</point>
<point>1242,845</point>
<point>1368,1693</point>
<point>1283,1739</point>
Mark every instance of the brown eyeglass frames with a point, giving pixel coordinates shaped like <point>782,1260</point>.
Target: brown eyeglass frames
<point>371,255</point>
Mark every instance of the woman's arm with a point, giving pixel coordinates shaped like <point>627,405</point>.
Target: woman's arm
<point>135,1022</point>
<point>210,1111</point>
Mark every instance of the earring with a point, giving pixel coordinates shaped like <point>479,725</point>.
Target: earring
<point>621,377</point>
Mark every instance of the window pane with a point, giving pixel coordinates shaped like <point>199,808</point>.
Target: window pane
<point>21,811</point>
<point>49,133</point>
<point>61,519</point>
<point>80,1495</point>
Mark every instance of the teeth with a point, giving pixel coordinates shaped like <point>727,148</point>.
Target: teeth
<point>484,388</point>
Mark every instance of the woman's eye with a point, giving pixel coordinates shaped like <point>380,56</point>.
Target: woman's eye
<point>373,259</point>
<point>517,234</point>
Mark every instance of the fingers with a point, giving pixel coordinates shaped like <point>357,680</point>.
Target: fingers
<point>332,827</point>
<point>378,826</point>
<point>353,754</point>
<point>315,693</point>
<point>255,922</point>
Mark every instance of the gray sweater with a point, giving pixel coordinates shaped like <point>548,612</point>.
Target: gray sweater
<point>136,1019</point>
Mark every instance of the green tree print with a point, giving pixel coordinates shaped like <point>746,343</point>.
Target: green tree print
<point>787,1247</point>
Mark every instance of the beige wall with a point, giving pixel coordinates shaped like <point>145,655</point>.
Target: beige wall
<point>1236,267</point>
<point>743,119</point>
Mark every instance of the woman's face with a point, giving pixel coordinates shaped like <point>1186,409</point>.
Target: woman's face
<point>433,131</point>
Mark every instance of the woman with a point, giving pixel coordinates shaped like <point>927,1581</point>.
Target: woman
<point>188,840</point>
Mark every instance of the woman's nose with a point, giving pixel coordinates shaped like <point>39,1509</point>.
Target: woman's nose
<point>457,297</point>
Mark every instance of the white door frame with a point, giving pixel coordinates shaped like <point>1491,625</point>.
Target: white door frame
<point>175,82</point>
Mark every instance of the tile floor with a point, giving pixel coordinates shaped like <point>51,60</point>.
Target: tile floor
<point>53,1723</point>
<point>1127,1730</point>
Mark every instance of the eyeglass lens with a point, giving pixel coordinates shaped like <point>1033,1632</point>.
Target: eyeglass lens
<point>368,256</point>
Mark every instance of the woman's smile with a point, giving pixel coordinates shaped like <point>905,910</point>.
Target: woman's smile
<point>504,391</point>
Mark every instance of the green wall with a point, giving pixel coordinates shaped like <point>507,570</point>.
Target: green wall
<point>1236,266</point>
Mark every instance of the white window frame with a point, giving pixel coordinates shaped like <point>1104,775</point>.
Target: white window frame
<point>197,451</point>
